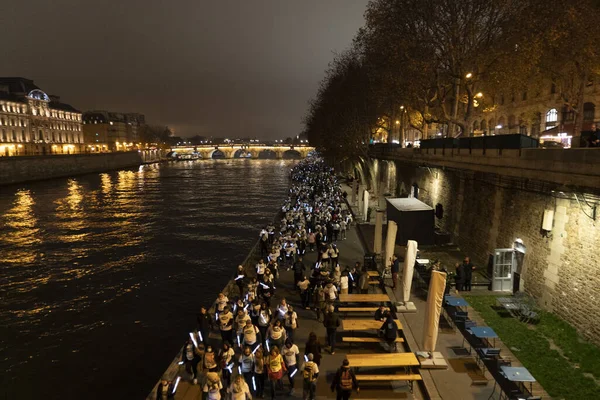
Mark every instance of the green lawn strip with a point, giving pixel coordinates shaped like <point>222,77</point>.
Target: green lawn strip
<point>556,375</point>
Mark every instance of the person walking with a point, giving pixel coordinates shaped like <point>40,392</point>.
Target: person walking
<point>290,322</point>
<point>250,335</point>
<point>313,346</point>
<point>331,322</point>
<point>311,241</point>
<point>275,335</point>
<point>343,227</point>
<point>310,374</point>
<point>165,390</point>
<point>395,270</point>
<point>205,324</point>
<point>239,389</point>
<point>246,363</point>
<point>226,361</point>
<point>344,382</point>
<point>344,282</point>
<point>259,373</point>
<point>264,320</point>
<point>226,325</point>
<point>275,369</point>
<point>290,354</point>
<point>299,269</point>
<point>240,279</point>
<point>212,387</point>
<point>190,356</point>
<point>304,286</point>
<point>460,277</point>
<point>469,268</point>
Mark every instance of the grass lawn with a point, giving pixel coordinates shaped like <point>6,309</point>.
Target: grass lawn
<point>551,350</point>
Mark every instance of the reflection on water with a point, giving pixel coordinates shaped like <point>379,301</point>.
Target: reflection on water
<point>102,274</point>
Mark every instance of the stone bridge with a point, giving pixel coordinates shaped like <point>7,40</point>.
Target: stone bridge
<point>247,151</point>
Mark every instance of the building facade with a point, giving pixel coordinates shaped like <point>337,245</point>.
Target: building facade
<point>111,131</point>
<point>33,122</point>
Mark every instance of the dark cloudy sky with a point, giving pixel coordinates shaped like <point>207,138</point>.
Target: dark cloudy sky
<point>220,67</point>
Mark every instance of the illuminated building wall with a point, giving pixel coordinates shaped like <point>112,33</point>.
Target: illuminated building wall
<point>32,122</point>
<point>111,131</point>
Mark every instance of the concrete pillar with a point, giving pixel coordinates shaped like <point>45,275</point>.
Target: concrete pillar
<point>378,231</point>
<point>354,190</point>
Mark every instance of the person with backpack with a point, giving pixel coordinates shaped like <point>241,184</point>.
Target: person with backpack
<point>310,374</point>
<point>389,331</point>
<point>344,382</point>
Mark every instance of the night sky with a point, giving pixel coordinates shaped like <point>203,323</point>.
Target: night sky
<point>220,67</point>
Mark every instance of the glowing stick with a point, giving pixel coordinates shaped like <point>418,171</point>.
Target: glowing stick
<point>257,347</point>
<point>238,338</point>
<point>234,307</point>
<point>246,307</point>
<point>216,316</point>
<point>229,367</point>
<point>264,286</point>
<point>193,339</point>
<point>180,363</point>
<point>254,383</point>
<point>200,334</point>
<point>350,275</point>
<point>239,370</point>
<point>267,343</point>
<point>239,277</point>
<point>176,384</point>
<point>305,358</point>
<point>294,373</point>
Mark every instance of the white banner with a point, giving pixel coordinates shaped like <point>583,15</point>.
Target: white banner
<point>409,267</point>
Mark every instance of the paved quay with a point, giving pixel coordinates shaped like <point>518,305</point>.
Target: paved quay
<point>463,379</point>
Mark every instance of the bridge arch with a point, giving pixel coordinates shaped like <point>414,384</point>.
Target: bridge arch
<point>291,154</point>
<point>267,154</point>
<point>241,153</point>
<point>217,154</point>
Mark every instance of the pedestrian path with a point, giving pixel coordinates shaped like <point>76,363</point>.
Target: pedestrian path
<point>351,250</point>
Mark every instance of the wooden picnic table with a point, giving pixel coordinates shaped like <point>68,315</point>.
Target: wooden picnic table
<point>364,324</point>
<point>373,274</point>
<point>383,360</point>
<point>364,298</point>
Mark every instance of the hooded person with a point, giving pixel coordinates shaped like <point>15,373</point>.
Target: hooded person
<point>344,381</point>
<point>239,389</point>
<point>389,331</point>
<point>212,387</point>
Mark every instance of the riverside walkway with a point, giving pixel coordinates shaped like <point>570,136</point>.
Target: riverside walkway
<point>351,250</point>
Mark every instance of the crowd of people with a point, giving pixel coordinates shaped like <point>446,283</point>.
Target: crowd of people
<point>258,345</point>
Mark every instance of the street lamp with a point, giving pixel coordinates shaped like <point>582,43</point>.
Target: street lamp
<point>469,75</point>
<point>479,95</point>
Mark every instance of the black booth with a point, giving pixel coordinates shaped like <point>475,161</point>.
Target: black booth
<point>415,220</point>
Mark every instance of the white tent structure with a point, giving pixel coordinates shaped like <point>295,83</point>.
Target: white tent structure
<point>378,232</point>
<point>409,268</point>
<point>366,206</point>
<point>435,299</point>
<point>390,243</point>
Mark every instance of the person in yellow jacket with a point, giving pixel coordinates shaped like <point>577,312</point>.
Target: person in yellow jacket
<point>275,369</point>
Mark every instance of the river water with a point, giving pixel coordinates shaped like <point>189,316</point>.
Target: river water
<point>101,275</point>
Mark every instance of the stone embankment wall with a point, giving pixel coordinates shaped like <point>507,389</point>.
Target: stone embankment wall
<point>483,212</point>
<point>31,168</point>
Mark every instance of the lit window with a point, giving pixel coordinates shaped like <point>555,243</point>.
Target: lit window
<point>552,115</point>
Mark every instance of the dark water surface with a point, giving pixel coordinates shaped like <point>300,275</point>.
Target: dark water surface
<point>101,275</point>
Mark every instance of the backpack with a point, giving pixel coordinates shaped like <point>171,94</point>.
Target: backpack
<point>346,380</point>
<point>308,372</point>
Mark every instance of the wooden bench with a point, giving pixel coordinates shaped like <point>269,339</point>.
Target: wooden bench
<point>353,339</point>
<point>346,310</point>
<point>410,378</point>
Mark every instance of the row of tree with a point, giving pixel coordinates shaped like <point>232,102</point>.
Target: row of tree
<point>449,62</point>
